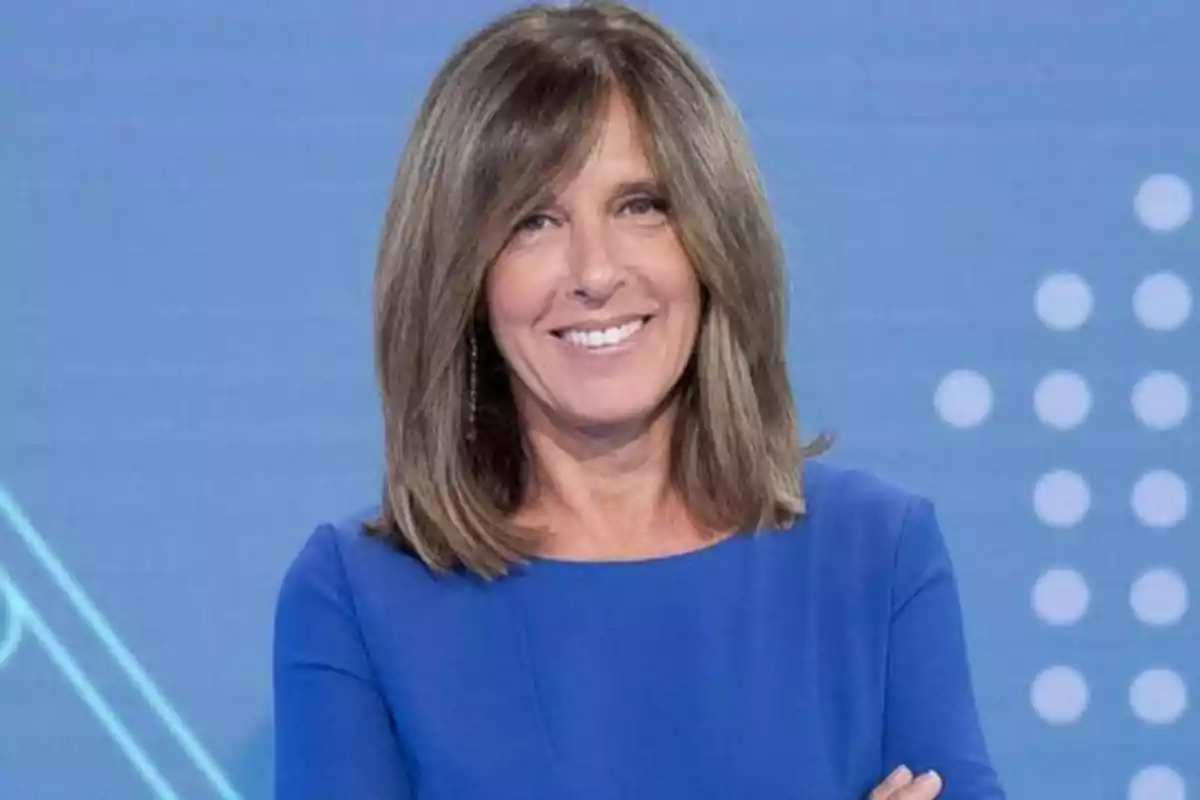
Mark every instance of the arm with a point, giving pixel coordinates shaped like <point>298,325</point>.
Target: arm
<point>333,734</point>
<point>930,720</point>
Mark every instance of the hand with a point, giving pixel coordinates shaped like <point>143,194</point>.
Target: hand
<point>901,785</point>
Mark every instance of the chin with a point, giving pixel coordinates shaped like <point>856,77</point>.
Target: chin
<point>620,414</point>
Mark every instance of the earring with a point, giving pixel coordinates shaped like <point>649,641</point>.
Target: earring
<point>472,385</point>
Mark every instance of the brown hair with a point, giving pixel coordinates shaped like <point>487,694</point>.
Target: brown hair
<point>514,108</point>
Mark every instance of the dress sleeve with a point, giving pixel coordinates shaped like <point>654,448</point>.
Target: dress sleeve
<point>334,737</point>
<point>930,718</point>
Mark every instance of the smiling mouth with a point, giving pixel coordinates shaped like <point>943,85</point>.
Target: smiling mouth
<point>600,338</point>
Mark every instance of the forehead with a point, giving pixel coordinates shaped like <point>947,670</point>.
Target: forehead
<point>620,131</point>
<point>617,153</point>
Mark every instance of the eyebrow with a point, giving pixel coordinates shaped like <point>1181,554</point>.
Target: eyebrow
<point>646,186</point>
<point>622,189</point>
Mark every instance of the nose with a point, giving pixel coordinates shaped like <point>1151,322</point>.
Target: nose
<point>595,272</point>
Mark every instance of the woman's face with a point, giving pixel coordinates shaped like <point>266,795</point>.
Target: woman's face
<point>593,303</point>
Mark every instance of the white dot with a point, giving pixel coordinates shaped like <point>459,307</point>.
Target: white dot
<point>1159,597</point>
<point>1163,202</point>
<point>1160,499</point>
<point>1059,695</point>
<point>1060,597</point>
<point>1161,400</point>
<point>1157,783</point>
<point>1062,400</point>
<point>1158,696</point>
<point>1061,498</point>
<point>963,398</point>
<point>1063,301</point>
<point>1162,301</point>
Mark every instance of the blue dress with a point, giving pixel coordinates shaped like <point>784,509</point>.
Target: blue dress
<point>775,665</point>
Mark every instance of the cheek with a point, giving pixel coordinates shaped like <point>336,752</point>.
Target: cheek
<point>679,283</point>
<point>689,291</point>
<point>517,294</point>
<point>689,304</point>
<point>513,294</point>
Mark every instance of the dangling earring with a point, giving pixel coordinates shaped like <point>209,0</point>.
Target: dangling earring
<point>472,386</point>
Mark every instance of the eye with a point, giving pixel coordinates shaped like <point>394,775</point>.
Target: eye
<point>533,223</point>
<point>643,205</point>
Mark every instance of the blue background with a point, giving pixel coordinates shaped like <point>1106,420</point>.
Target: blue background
<point>195,192</point>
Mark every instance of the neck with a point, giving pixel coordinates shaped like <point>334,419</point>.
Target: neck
<point>603,491</point>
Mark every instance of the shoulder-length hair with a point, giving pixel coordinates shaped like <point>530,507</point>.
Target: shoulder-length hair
<point>515,108</point>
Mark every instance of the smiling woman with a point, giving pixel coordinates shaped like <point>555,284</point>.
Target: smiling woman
<point>604,564</point>
<point>586,172</point>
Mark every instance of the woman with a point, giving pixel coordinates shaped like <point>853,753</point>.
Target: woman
<point>603,567</point>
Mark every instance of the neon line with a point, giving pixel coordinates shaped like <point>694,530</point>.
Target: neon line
<point>119,652</point>
<point>108,718</point>
<point>12,634</point>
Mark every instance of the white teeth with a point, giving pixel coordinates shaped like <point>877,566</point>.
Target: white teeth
<point>604,338</point>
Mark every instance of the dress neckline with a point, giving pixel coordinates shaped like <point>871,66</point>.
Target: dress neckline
<point>701,553</point>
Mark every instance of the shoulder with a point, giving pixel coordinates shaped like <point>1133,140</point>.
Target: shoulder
<point>315,578</point>
<point>323,554</point>
<point>349,595</point>
<point>344,542</point>
<point>342,564</point>
<point>858,521</point>
<point>340,561</point>
<point>851,500</point>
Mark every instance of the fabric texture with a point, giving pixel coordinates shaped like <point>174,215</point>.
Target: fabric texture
<point>772,665</point>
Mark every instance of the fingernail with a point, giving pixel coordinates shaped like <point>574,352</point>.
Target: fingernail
<point>930,777</point>
<point>899,771</point>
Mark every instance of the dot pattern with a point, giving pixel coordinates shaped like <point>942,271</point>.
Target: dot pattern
<point>1160,499</point>
<point>1161,400</point>
<point>1157,783</point>
<point>1059,695</point>
<point>1162,302</point>
<point>963,398</point>
<point>1063,400</point>
<point>1060,597</point>
<point>1159,597</point>
<point>1062,498</point>
<point>1063,301</point>
<point>1163,203</point>
<point>1158,696</point>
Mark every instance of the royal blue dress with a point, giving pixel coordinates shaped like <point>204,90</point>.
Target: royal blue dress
<point>776,665</point>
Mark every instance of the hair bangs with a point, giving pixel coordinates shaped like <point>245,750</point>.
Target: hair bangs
<point>542,130</point>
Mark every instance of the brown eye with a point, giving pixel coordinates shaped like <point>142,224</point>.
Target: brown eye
<point>532,223</point>
<point>640,206</point>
